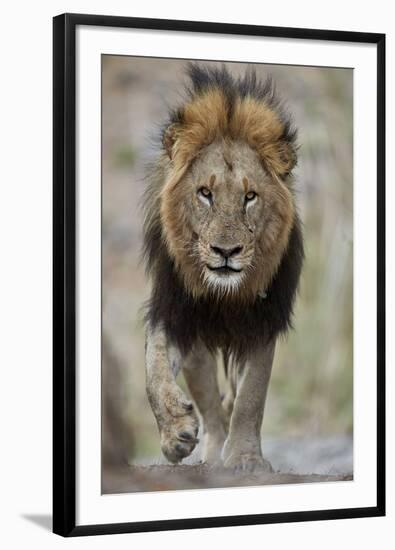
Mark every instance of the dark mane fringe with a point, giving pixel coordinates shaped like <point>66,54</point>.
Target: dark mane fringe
<point>203,78</point>
<point>152,228</point>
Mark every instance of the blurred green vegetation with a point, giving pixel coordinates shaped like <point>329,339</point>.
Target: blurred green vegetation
<point>311,391</point>
<point>124,157</point>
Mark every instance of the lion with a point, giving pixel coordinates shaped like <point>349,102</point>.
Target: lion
<point>223,247</point>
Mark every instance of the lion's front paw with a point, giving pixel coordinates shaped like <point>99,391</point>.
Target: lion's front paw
<point>248,462</point>
<point>178,436</point>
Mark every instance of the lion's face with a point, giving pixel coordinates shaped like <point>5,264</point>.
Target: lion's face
<point>226,210</point>
<point>227,222</point>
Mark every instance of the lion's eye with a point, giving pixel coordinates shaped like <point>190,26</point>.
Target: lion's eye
<point>206,193</point>
<point>250,196</point>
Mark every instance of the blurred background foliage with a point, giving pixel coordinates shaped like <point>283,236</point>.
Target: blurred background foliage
<point>311,390</point>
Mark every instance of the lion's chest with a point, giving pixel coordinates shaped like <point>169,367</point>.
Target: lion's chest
<point>219,326</point>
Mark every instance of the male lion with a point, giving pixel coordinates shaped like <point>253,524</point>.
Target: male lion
<point>224,248</point>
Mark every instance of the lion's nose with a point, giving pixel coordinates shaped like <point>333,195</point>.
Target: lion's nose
<point>227,252</point>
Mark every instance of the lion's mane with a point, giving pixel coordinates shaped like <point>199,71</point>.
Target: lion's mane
<point>217,105</point>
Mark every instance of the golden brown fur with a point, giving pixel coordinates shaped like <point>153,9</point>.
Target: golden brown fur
<point>206,119</point>
<point>232,141</point>
<point>209,121</point>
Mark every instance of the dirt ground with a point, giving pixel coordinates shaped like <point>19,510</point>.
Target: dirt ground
<point>170,477</point>
<point>294,460</point>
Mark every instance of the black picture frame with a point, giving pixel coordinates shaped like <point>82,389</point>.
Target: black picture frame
<point>64,272</point>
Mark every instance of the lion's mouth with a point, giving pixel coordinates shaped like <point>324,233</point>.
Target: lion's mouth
<point>224,269</point>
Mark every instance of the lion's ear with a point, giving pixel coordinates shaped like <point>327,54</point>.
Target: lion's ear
<point>279,157</point>
<point>169,138</point>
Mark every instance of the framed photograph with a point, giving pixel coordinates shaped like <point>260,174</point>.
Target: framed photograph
<point>219,274</point>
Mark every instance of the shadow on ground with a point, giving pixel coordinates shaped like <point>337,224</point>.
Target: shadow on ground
<point>42,520</point>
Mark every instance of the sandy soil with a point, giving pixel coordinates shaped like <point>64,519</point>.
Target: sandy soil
<point>169,477</point>
<point>294,460</point>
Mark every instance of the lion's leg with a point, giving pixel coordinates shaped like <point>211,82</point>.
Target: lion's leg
<point>242,448</point>
<point>174,413</point>
<point>200,371</point>
<point>229,397</point>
